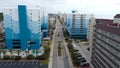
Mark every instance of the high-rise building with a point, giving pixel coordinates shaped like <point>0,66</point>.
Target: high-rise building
<point>90,31</point>
<point>77,24</point>
<point>106,44</point>
<point>24,26</point>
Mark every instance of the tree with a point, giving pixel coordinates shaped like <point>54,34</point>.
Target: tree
<point>6,57</point>
<point>18,51</point>
<point>17,58</point>
<point>1,16</point>
<point>30,57</point>
<point>4,52</point>
<point>38,58</point>
<point>70,46</point>
<point>37,52</point>
<point>76,62</point>
<point>43,56</point>
<point>27,52</point>
<point>10,51</point>
<point>46,49</point>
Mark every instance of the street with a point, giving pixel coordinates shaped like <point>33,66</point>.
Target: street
<point>59,61</point>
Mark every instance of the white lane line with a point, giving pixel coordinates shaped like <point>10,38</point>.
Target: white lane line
<point>10,63</point>
<point>6,63</point>
<point>23,63</point>
<point>18,63</point>
<point>2,63</point>
<point>32,62</point>
<point>15,63</point>
<point>36,62</point>
<point>28,63</point>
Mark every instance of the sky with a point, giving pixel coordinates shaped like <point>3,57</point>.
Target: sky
<point>100,8</point>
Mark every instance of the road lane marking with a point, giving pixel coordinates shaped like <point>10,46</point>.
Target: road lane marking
<point>10,63</point>
<point>2,63</point>
<point>32,62</point>
<point>23,63</point>
<point>36,62</point>
<point>5,63</point>
<point>14,63</point>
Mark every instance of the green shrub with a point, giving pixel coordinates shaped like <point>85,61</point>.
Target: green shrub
<point>38,58</point>
<point>30,57</point>
<point>17,57</point>
<point>6,57</point>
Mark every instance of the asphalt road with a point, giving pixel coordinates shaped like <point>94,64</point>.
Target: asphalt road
<point>22,64</point>
<point>59,61</point>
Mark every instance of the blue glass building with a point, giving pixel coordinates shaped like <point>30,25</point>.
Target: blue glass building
<point>23,27</point>
<point>77,25</point>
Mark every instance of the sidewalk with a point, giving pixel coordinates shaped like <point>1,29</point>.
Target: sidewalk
<point>69,57</point>
<point>51,52</point>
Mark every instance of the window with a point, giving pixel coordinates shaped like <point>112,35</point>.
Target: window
<point>117,45</point>
<point>30,13</point>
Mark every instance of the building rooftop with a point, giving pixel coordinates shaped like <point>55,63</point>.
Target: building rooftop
<point>117,16</point>
<point>105,21</point>
<point>108,26</point>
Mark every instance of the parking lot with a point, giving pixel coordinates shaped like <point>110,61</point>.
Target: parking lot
<point>22,64</point>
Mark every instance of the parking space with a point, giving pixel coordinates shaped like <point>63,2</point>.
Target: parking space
<point>22,64</point>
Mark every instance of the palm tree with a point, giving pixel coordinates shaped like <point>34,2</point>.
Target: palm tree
<point>37,52</point>
<point>0,53</point>
<point>3,52</point>
<point>34,52</point>
<point>26,53</point>
<point>18,51</point>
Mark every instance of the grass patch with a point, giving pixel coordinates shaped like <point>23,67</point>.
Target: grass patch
<point>44,62</point>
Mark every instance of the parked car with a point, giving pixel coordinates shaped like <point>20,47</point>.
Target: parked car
<point>79,55</point>
<point>80,58</point>
<point>88,49</point>
<point>84,64</point>
<point>76,50</point>
<point>83,60</point>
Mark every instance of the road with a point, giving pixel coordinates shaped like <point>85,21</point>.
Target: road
<point>59,61</point>
<point>22,64</point>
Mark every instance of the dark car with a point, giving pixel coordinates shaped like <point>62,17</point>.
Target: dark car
<point>83,60</point>
<point>84,64</point>
<point>79,55</point>
<point>76,50</point>
<point>80,58</point>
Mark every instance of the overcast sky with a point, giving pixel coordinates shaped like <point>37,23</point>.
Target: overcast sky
<point>101,8</point>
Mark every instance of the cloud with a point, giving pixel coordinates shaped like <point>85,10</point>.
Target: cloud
<point>102,8</point>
